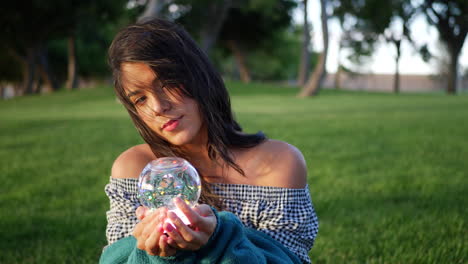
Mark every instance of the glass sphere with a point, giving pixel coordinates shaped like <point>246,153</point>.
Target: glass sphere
<point>164,179</point>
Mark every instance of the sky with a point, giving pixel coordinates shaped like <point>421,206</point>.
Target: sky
<point>383,60</point>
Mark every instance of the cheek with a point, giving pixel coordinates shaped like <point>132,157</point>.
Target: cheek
<point>151,124</point>
<point>197,116</point>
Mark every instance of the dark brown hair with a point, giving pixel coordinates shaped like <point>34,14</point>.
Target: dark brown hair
<point>178,62</point>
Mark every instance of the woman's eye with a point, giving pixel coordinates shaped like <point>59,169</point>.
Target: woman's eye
<point>140,100</point>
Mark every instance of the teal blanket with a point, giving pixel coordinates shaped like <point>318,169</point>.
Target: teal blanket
<point>230,243</point>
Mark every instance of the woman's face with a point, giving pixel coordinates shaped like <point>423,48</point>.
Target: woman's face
<point>173,116</point>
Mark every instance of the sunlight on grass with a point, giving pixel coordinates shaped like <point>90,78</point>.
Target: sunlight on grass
<point>388,173</point>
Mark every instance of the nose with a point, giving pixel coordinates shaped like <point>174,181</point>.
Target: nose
<point>159,106</point>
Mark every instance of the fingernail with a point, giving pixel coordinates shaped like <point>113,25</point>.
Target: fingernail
<point>172,215</point>
<point>148,211</point>
<point>177,200</point>
<point>169,228</point>
<point>160,228</point>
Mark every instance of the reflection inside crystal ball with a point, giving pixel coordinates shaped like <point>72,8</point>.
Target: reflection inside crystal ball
<point>164,179</point>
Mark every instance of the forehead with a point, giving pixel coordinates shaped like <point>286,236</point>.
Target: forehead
<point>137,76</point>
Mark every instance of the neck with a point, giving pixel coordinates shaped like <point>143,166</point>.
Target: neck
<point>197,153</point>
<point>198,157</point>
<point>197,149</point>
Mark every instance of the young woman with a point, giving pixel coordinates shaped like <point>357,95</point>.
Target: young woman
<point>180,106</point>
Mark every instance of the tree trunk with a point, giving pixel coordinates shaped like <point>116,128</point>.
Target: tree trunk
<point>239,55</point>
<point>153,9</point>
<point>339,72</point>
<point>305,55</point>
<point>46,74</point>
<point>396,80</point>
<point>339,69</point>
<point>37,84</point>
<point>216,14</point>
<point>315,81</point>
<point>453,73</point>
<point>452,29</point>
<point>29,71</point>
<point>72,81</point>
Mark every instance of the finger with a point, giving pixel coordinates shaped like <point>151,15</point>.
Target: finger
<point>143,229</point>
<point>152,243</point>
<point>174,238</point>
<point>141,234</point>
<point>140,240</point>
<point>140,212</point>
<point>152,226</point>
<point>203,210</point>
<point>191,215</point>
<point>163,210</point>
<point>138,229</point>
<point>165,249</point>
<point>200,220</point>
<point>187,234</point>
<point>149,215</point>
<point>160,210</point>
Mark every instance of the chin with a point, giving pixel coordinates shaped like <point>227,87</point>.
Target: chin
<point>180,141</point>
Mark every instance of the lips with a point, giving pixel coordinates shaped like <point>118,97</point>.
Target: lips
<point>171,124</point>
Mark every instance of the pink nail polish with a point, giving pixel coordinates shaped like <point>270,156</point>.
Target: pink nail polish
<point>172,215</point>
<point>169,227</point>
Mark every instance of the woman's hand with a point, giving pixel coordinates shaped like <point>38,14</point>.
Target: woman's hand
<point>150,233</point>
<point>193,237</point>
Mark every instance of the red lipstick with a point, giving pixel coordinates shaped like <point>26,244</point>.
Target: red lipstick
<point>171,124</point>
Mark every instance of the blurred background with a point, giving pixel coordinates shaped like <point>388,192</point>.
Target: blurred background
<point>398,45</point>
<point>374,94</point>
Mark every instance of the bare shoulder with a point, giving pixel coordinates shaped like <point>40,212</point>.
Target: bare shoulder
<point>131,162</point>
<point>283,164</point>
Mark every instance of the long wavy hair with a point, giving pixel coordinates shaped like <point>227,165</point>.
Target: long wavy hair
<point>181,65</point>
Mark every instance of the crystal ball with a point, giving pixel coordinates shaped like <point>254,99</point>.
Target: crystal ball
<point>164,179</point>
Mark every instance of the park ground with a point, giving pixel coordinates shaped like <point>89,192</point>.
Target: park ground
<point>388,173</point>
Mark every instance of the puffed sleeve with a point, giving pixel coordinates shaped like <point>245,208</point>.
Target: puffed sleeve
<point>290,218</point>
<point>286,215</point>
<point>121,218</point>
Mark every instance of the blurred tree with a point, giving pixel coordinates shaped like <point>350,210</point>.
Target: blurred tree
<point>254,25</point>
<point>84,18</point>
<point>154,9</point>
<point>441,62</point>
<point>450,17</point>
<point>203,19</point>
<point>368,21</point>
<point>340,67</point>
<point>305,54</point>
<point>27,27</point>
<point>314,83</point>
<point>276,60</point>
<point>279,58</point>
<point>10,70</point>
<point>31,26</point>
<point>403,11</point>
<point>245,26</point>
<point>339,70</point>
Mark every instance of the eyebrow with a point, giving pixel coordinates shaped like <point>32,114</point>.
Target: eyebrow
<point>132,93</point>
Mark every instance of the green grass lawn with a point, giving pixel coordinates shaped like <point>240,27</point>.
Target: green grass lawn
<point>388,173</point>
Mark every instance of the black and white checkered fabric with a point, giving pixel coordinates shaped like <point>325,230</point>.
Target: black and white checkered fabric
<point>287,215</point>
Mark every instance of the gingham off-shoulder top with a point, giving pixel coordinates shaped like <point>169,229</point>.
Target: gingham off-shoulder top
<point>286,215</point>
